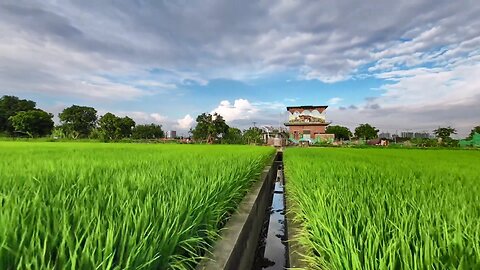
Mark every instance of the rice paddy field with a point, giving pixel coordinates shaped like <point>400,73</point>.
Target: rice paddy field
<point>118,206</point>
<point>386,208</point>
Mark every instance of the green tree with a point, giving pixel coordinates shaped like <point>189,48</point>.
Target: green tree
<point>253,135</point>
<point>151,131</point>
<point>366,131</point>
<point>444,133</point>
<point>108,125</point>
<point>78,121</point>
<point>58,133</point>
<point>33,123</point>
<point>209,128</point>
<point>424,142</point>
<point>125,126</point>
<point>112,127</point>
<point>474,130</point>
<point>233,136</point>
<point>340,132</point>
<point>9,106</point>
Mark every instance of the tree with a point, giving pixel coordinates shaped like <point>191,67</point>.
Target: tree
<point>32,123</point>
<point>9,106</point>
<point>209,127</point>
<point>253,135</point>
<point>151,131</point>
<point>366,131</point>
<point>78,121</point>
<point>340,132</point>
<point>58,133</point>
<point>108,125</point>
<point>112,127</point>
<point>474,130</point>
<point>444,133</point>
<point>125,126</point>
<point>233,136</point>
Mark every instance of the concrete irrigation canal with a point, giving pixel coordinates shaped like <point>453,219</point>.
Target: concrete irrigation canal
<point>272,250</point>
<point>255,237</point>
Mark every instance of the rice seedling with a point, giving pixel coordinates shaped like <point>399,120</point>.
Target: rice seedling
<point>386,208</point>
<point>118,206</point>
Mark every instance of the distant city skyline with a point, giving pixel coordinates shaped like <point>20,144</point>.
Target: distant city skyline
<point>403,65</point>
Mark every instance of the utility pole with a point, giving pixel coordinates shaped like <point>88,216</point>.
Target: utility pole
<point>254,124</point>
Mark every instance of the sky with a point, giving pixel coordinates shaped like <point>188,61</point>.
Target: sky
<point>398,65</point>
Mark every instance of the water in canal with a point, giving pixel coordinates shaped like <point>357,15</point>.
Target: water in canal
<point>272,253</point>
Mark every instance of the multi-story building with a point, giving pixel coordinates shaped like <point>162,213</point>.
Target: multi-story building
<point>422,135</point>
<point>307,123</point>
<point>415,135</point>
<point>171,134</point>
<point>406,134</point>
<point>385,135</point>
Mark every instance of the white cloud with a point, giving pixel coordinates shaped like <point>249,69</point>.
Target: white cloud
<point>427,51</point>
<point>290,100</point>
<point>421,99</point>
<point>157,117</point>
<point>269,105</point>
<point>241,109</point>
<point>334,100</point>
<point>152,83</point>
<point>315,42</point>
<point>185,123</point>
<point>431,86</point>
<point>138,116</point>
<point>27,65</point>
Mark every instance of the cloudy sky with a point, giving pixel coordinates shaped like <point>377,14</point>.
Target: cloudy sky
<point>399,65</point>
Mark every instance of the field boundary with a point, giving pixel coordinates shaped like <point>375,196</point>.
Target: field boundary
<point>235,249</point>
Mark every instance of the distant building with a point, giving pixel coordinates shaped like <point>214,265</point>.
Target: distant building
<point>385,135</point>
<point>307,123</point>
<point>408,135</point>
<point>276,136</point>
<point>415,135</point>
<point>422,135</point>
<point>171,134</point>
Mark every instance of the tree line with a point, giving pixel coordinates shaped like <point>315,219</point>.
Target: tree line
<point>21,118</point>
<point>212,128</point>
<point>443,135</point>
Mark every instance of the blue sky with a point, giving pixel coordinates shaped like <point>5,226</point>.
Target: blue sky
<point>408,65</point>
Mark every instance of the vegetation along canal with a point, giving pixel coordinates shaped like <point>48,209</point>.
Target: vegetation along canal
<point>272,250</point>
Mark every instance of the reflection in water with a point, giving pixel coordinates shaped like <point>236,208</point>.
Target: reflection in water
<point>272,249</point>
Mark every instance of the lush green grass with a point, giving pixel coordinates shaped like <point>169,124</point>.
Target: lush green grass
<point>386,208</point>
<point>117,206</point>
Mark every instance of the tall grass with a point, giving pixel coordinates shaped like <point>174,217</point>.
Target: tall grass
<point>117,206</point>
<point>386,209</point>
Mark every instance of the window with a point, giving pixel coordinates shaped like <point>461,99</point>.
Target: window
<point>306,134</point>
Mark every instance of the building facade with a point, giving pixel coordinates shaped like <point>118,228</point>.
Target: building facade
<point>307,123</point>
<point>171,134</point>
<point>385,135</point>
<point>416,135</point>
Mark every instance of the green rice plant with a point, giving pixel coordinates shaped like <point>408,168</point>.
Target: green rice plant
<point>118,206</point>
<point>386,208</point>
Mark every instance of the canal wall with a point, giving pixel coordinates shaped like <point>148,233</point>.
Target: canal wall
<point>239,239</point>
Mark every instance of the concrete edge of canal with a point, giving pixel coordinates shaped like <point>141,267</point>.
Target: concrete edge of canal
<point>237,245</point>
